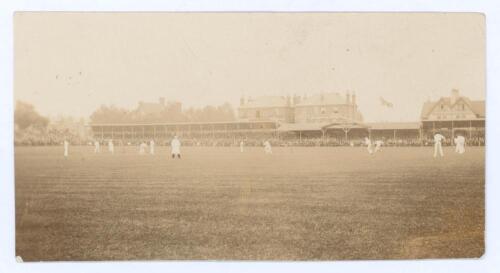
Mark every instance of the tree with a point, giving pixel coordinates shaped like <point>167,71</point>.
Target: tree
<point>25,116</point>
<point>172,112</point>
<point>226,112</point>
<point>223,112</point>
<point>110,114</point>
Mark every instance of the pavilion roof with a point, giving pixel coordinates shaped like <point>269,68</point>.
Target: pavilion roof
<point>394,125</point>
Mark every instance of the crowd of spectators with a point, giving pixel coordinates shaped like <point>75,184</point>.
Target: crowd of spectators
<point>478,140</point>
<point>37,136</point>
<point>55,136</point>
<point>303,142</point>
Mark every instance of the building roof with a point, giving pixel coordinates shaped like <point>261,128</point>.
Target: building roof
<point>477,106</point>
<point>179,123</point>
<point>427,108</point>
<point>286,127</point>
<point>394,125</point>
<point>323,99</point>
<point>346,125</point>
<point>266,101</point>
<point>284,101</point>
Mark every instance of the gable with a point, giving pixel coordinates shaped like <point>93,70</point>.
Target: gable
<point>479,108</point>
<point>443,109</point>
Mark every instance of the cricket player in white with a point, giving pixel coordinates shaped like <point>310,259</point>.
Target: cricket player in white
<point>437,144</point>
<point>142,148</point>
<point>378,144</point>
<point>242,146</point>
<point>267,147</point>
<point>97,147</point>
<point>368,144</point>
<point>176,147</point>
<point>460,144</point>
<point>152,147</point>
<point>111,146</point>
<point>66,146</point>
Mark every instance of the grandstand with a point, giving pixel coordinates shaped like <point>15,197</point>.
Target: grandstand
<point>455,115</point>
<point>397,133</point>
<point>201,131</point>
<point>320,120</point>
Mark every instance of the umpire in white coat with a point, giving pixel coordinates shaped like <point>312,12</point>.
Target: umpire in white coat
<point>176,147</point>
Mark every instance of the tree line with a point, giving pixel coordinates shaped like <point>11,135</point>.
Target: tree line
<point>31,128</point>
<point>168,113</point>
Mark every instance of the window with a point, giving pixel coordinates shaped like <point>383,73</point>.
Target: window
<point>442,106</point>
<point>462,107</point>
<point>257,114</point>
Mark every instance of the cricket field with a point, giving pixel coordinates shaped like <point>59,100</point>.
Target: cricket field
<point>217,203</point>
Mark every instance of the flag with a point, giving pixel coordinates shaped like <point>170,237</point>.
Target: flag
<point>386,103</point>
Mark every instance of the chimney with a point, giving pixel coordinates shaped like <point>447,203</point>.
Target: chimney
<point>242,101</point>
<point>454,96</point>
<point>162,101</point>
<point>354,98</point>
<point>347,98</point>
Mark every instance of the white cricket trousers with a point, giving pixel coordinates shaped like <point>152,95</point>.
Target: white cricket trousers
<point>438,148</point>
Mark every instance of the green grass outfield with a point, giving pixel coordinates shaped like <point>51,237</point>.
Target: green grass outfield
<point>218,203</point>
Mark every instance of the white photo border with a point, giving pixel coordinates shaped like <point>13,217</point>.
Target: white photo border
<point>488,263</point>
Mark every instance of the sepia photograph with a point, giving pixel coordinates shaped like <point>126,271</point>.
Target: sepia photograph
<point>249,136</point>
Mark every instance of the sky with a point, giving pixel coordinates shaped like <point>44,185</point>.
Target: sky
<point>71,63</point>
